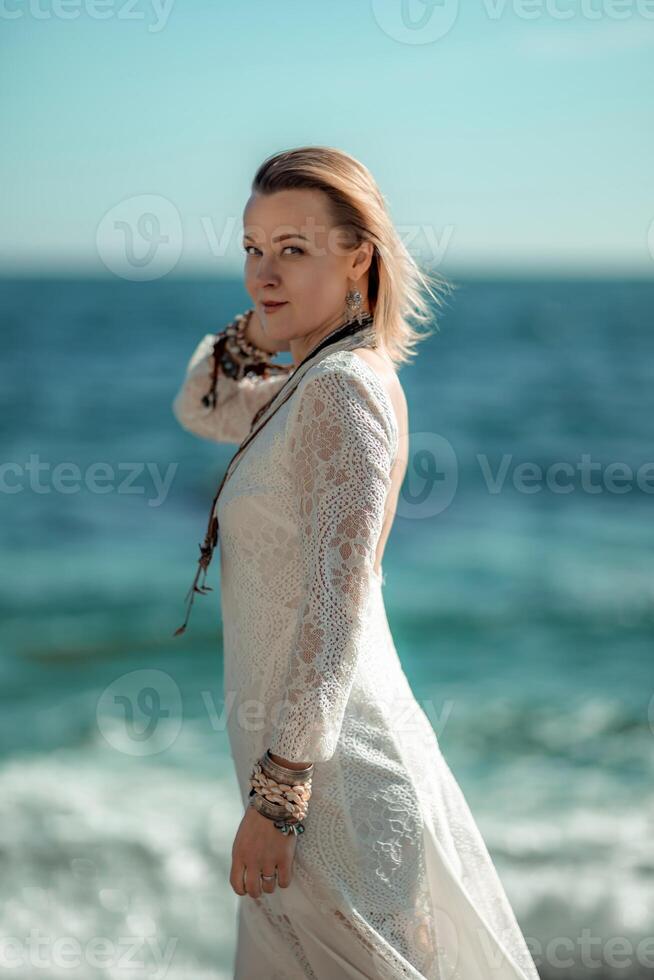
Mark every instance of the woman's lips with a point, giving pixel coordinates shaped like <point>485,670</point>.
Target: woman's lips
<point>271,307</point>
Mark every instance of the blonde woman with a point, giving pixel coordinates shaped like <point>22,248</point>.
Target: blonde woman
<point>356,855</point>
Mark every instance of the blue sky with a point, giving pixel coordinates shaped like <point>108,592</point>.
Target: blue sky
<point>513,138</point>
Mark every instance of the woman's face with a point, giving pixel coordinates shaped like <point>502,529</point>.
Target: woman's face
<point>295,256</point>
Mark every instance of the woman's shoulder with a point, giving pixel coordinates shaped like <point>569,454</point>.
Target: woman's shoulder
<point>354,374</point>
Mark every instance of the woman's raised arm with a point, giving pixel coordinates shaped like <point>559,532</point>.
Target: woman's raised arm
<point>236,401</point>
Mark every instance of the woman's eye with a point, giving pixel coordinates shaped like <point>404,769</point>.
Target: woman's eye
<point>295,247</point>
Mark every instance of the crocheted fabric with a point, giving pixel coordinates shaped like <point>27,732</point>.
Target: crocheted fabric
<point>391,877</point>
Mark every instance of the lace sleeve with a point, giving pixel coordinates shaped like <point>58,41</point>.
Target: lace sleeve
<point>236,401</point>
<point>341,445</point>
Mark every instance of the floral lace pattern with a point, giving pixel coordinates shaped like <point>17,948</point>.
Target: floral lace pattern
<point>391,878</point>
<point>340,449</point>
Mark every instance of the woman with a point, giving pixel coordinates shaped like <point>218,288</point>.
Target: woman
<point>357,855</point>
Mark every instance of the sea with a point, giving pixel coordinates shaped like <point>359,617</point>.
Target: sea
<point>519,587</point>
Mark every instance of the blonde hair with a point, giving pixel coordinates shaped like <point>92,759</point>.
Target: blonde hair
<point>396,284</point>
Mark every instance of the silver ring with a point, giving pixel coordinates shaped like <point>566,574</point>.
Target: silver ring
<point>269,877</point>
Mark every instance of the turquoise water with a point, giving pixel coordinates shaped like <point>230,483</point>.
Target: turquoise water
<point>524,618</point>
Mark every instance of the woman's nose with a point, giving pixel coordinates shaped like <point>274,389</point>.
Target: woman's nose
<point>266,271</point>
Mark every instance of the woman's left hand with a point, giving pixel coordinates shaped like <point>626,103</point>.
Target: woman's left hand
<point>260,848</point>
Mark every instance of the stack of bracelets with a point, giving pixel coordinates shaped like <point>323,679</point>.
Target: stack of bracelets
<point>281,794</point>
<point>236,357</point>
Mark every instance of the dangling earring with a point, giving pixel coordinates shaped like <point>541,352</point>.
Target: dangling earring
<point>353,305</point>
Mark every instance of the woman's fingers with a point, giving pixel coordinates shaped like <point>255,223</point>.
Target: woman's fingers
<point>236,877</point>
<point>284,872</point>
<point>246,881</point>
<point>270,883</point>
<point>253,882</point>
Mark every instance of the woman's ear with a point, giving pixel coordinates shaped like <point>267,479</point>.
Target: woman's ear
<point>362,259</point>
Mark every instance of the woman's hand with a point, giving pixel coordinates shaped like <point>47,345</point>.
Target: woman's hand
<point>255,333</point>
<point>259,847</point>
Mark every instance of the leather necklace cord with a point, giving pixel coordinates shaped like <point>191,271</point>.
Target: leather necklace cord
<point>355,333</point>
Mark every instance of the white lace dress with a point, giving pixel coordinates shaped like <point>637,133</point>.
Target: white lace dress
<point>391,877</point>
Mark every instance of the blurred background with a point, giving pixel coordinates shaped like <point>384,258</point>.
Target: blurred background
<point>513,143</point>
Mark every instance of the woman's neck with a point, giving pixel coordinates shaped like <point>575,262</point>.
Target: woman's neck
<point>301,347</point>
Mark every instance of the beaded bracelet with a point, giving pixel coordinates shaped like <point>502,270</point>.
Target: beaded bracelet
<point>281,794</point>
<point>235,356</point>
